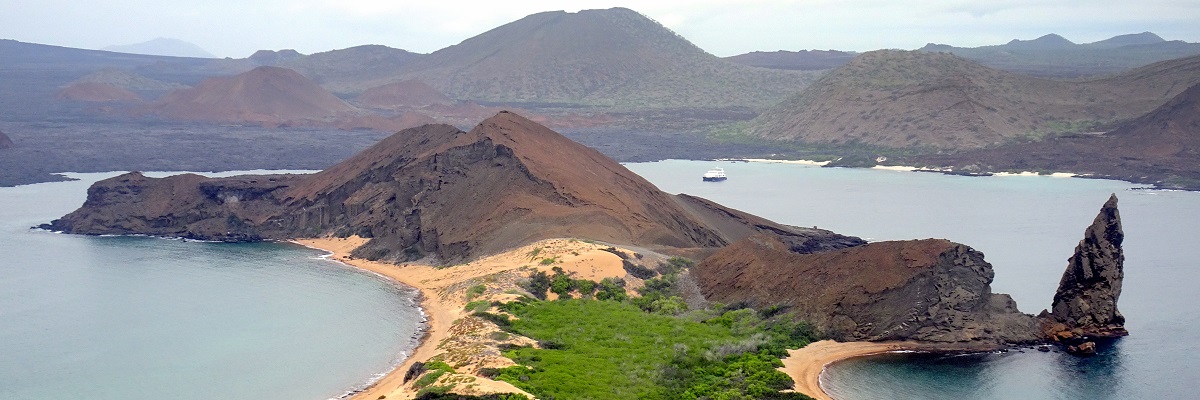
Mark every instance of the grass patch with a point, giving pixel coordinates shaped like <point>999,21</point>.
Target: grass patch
<point>612,349</point>
<point>475,291</point>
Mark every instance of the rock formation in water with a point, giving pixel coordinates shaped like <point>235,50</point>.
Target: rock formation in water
<point>1085,305</point>
<point>435,190</point>
<point>931,290</point>
<point>5,142</point>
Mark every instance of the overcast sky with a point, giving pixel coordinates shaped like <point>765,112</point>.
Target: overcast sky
<point>236,28</point>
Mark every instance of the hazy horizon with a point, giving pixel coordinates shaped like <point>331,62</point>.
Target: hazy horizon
<point>237,29</point>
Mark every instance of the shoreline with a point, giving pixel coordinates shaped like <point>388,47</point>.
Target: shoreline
<point>806,364</point>
<point>448,331</point>
<point>438,314</point>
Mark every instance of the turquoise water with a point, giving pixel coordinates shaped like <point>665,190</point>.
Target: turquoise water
<point>145,318</point>
<point>1027,227</point>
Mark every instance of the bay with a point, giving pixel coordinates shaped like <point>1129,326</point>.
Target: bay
<point>1027,227</point>
<point>148,318</point>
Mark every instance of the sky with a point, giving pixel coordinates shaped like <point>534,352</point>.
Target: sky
<point>237,28</point>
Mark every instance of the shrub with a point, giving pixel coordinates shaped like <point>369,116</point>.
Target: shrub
<point>537,284</point>
<point>610,289</point>
<point>475,291</point>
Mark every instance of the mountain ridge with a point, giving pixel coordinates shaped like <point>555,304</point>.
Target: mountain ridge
<point>922,100</point>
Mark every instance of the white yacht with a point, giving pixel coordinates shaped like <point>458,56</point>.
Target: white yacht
<point>715,175</point>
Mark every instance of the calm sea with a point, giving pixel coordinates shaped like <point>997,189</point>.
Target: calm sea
<point>1027,227</point>
<point>145,318</point>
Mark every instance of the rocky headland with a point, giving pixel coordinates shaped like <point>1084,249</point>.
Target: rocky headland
<point>435,191</point>
<point>436,196</point>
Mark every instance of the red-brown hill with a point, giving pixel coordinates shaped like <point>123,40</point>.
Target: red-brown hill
<point>436,190</point>
<point>96,92</point>
<point>405,94</point>
<point>931,290</point>
<point>264,95</point>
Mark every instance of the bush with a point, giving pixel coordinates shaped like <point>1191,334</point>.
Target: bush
<point>537,285</point>
<point>611,289</point>
<point>475,291</point>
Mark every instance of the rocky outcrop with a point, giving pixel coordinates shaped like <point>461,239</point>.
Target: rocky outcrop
<point>5,142</point>
<point>433,191</point>
<point>1085,305</point>
<point>931,290</point>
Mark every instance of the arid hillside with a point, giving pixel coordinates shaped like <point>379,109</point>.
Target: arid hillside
<point>919,100</point>
<point>96,92</point>
<point>614,57</point>
<point>405,94</point>
<point>1161,147</point>
<point>264,95</point>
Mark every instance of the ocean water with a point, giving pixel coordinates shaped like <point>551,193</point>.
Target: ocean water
<point>1027,227</point>
<point>146,318</point>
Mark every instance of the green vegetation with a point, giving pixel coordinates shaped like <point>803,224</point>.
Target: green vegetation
<point>649,346</point>
<point>435,370</point>
<point>451,396</point>
<point>475,291</point>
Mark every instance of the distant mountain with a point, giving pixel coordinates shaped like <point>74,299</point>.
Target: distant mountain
<point>805,60</point>
<point>163,47</point>
<point>922,100</point>
<point>1054,56</point>
<point>1047,42</point>
<point>344,71</point>
<point>613,57</point>
<point>272,57</point>
<point>1133,39</point>
<point>264,95</point>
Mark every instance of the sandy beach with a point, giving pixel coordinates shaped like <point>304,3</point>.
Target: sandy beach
<point>772,161</point>
<point>805,365</point>
<point>443,299</point>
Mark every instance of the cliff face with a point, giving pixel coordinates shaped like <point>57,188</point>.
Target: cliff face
<point>1086,300</point>
<point>433,190</point>
<point>931,290</point>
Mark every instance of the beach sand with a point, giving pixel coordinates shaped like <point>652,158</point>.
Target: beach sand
<point>443,296</point>
<point>805,365</point>
<point>799,162</point>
